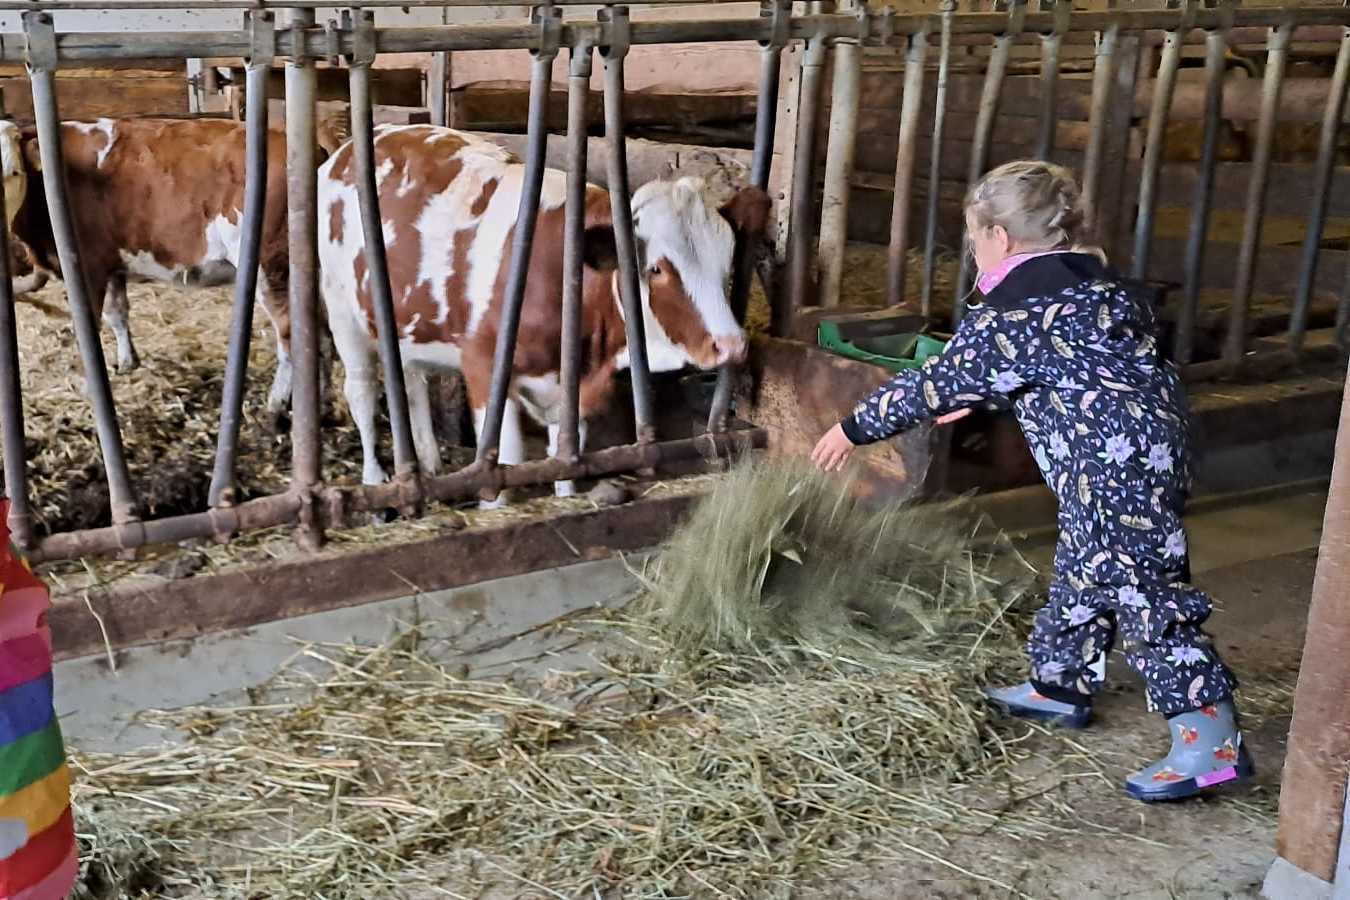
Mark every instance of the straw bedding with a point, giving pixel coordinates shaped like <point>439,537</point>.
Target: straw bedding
<point>794,687</point>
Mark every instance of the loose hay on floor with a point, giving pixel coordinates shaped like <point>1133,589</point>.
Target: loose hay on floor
<point>727,762</point>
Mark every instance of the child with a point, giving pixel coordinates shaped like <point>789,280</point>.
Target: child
<point>1071,347</point>
<point>39,858</point>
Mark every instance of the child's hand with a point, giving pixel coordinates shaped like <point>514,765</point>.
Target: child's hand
<point>833,450</point>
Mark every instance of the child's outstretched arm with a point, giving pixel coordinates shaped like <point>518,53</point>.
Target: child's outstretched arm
<point>991,356</point>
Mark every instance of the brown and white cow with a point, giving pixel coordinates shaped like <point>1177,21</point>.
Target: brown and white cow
<point>449,203</point>
<point>152,199</point>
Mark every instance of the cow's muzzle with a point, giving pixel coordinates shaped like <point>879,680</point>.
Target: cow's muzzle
<point>730,348</point>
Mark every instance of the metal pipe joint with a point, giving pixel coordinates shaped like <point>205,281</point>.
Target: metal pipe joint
<point>39,42</point>
<point>616,31</point>
<point>262,38</point>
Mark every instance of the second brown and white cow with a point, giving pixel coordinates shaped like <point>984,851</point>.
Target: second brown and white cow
<point>152,199</point>
<point>448,203</point>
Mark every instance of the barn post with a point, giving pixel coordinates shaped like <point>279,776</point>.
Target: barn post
<point>1051,43</point>
<point>1216,49</point>
<point>779,16</point>
<point>11,394</point>
<point>1104,63</point>
<point>438,88</point>
<point>549,24</point>
<point>1277,55</point>
<point>1326,160</point>
<point>1163,86</point>
<point>935,158</point>
<point>984,129</point>
<point>259,67</point>
<point>801,243</point>
<point>568,448</point>
<point>613,51</point>
<point>302,225</point>
<point>377,265</point>
<point>841,144</point>
<point>1311,839</point>
<point>42,62</point>
<point>911,104</point>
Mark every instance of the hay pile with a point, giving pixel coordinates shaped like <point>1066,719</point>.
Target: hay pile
<point>804,730</point>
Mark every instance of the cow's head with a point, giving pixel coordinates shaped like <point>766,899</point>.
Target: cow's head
<point>16,169</point>
<point>685,245</point>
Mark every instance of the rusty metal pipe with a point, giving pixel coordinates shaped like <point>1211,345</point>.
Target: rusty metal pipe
<point>761,162</point>
<point>839,155</point>
<point>1103,73</point>
<point>1276,57</point>
<point>377,265</point>
<point>621,211</point>
<point>911,103</point>
<point>339,505</point>
<point>303,233</point>
<point>527,214</point>
<point>1163,87</point>
<point>802,222</point>
<point>935,157</point>
<point>11,400</point>
<point>1326,160</point>
<point>574,235</point>
<point>979,151</point>
<point>42,77</point>
<point>222,490</point>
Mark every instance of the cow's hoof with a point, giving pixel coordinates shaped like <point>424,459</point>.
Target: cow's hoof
<point>127,366</point>
<point>279,421</point>
<point>383,516</point>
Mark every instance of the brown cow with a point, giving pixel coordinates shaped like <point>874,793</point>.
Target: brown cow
<point>156,199</point>
<point>449,203</point>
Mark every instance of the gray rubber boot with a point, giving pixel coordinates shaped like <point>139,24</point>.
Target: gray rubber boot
<point>1207,750</point>
<point>1023,700</point>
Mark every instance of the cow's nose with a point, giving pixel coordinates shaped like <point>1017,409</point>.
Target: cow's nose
<point>730,348</point>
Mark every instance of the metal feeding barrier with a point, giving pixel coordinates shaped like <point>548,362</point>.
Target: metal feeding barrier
<point>815,241</point>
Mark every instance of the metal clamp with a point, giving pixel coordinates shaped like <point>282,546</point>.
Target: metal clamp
<point>549,21</point>
<point>1063,12</point>
<point>363,38</point>
<point>262,41</point>
<point>616,31</point>
<point>779,14</point>
<point>1017,14</point>
<point>332,38</point>
<point>863,22</point>
<point>579,66</point>
<point>886,25</point>
<point>39,41</point>
<point>1188,8</point>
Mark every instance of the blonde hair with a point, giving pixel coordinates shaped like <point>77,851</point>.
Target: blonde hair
<point>1038,203</point>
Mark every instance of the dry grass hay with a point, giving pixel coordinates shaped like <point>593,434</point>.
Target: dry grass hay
<point>737,761</point>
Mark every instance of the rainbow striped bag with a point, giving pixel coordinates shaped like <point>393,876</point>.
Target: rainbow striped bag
<point>39,859</point>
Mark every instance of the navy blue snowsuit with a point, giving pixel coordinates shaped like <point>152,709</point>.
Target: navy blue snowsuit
<point>1073,349</point>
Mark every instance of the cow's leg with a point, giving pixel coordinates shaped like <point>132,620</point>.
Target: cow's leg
<point>272,296</point>
<point>565,488</point>
<point>362,387</point>
<point>511,446</point>
<point>419,415</point>
<point>115,314</point>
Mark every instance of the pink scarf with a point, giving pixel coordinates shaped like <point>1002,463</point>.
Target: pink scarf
<point>994,277</point>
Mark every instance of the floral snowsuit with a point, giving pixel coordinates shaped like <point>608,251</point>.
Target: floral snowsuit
<point>1074,352</point>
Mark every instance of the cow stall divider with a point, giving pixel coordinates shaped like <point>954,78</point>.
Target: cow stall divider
<point>816,237</point>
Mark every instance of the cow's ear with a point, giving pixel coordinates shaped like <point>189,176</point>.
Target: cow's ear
<point>31,154</point>
<point>748,211</point>
<point>598,250</point>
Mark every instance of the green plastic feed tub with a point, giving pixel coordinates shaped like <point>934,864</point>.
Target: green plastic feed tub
<point>895,352</point>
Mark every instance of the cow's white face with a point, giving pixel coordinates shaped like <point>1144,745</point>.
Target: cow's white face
<point>685,249</point>
<point>11,168</point>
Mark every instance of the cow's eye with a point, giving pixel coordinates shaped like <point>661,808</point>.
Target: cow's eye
<point>654,269</point>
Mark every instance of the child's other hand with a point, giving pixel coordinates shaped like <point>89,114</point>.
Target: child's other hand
<point>833,450</point>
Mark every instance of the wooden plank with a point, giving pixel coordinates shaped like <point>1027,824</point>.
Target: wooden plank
<point>92,98</point>
<point>503,106</point>
<point>1020,95</point>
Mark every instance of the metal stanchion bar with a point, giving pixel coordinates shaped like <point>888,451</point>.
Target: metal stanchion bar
<point>1216,50</point>
<point>621,211</point>
<point>911,102</point>
<point>841,143</point>
<point>302,223</point>
<point>1103,73</point>
<point>935,157</point>
<point>1277,55</point>
<point>1326,160</point>
<point>527,215</point>
<point>11,397</point>
<point>574,235</point>
<point>372,226</point>
<point>222,490</point>
<point>801,243</point>
<point>42,47</point>
<point>1050,49</point>
<point>1163,86</point>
